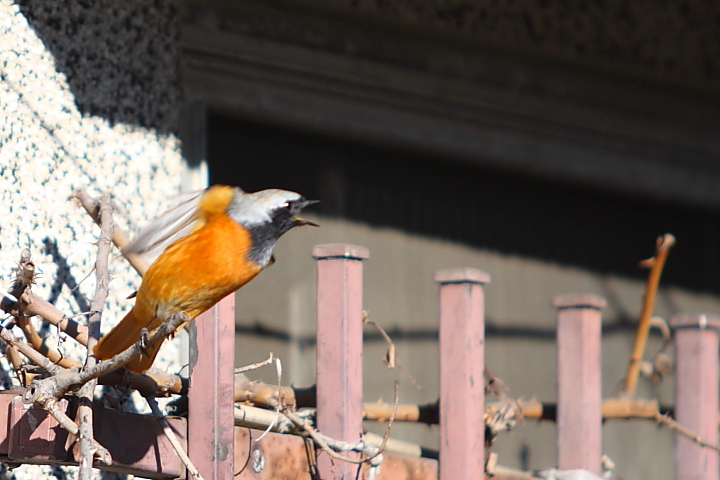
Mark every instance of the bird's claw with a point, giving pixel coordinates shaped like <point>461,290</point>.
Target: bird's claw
<point>143,341</point>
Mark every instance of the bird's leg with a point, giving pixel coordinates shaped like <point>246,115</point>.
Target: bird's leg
<point>143,341</point>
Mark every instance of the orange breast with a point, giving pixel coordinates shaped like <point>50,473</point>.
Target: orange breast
<point>195,272</point>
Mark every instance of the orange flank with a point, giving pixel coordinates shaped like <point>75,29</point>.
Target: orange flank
<point>190,276</point>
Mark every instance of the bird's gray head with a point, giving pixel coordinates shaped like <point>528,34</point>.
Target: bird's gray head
<point>267,214</point>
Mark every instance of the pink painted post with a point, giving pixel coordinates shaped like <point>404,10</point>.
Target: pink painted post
<point>339,349</point>
<point>579,383</point>
<point>696,394</point>
<point>210,395</point>
<point>462,368</point>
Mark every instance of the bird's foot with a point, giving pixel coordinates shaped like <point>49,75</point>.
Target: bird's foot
<point>144,336</point>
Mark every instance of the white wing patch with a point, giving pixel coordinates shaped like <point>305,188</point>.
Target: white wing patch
<point>171,225</point>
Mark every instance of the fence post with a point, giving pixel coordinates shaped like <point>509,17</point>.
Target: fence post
<point>696,394</point>
<point>462,367</point>
<point>210,396</point>
<point>339,349</point>
<point>579,382</point>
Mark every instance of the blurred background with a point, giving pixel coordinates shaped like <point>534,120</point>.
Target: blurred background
<point>546,142</point>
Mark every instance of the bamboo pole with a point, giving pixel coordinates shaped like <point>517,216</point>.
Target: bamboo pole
<point>662,249</point>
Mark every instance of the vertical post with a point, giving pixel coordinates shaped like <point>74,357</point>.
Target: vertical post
<point>210,395</point>
<point>462,369</point>
<point>339,349</point>
<point>579,382</point>
<point>696,394</point>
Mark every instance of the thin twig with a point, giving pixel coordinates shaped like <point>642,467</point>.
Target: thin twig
<point>666,420</point>
<point>278,366</point>
<point>82,280</point>
<point>391,359</point>
<point>257,365</point>
<point>371,454</point>
<point>324,441</point>
<point>390,422</point>
<point>656,263</point>
<point>191,468</point>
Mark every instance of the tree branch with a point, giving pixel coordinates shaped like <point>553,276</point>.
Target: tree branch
<point>656,263</point>
<point>119,237</point>
<point>191,468</point>
<point>36,357</point>
<point>56,386</point>
<point>86,452</point>
<point>42,347</point>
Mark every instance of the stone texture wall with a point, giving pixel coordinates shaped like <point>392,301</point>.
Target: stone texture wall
<point>120,59</point>
<point>89,97</point>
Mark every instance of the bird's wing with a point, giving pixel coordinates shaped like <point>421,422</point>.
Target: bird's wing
<point>171,225</point>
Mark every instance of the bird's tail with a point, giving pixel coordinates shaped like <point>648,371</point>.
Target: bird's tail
<point>122,337</point>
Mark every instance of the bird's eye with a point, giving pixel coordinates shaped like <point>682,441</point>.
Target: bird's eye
<point>286,205</point>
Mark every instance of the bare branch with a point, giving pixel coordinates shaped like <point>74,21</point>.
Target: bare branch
<point>332,446</point>
<point>173,439</point>
<point>391,359</point>
<point>32,354</point>
<point>16,362</point>
<point>29,305</point>
<point>22,302</point>
<point>86,452</point>
<point>371,454</point>
<point>656,264</point>
<point>255,366</point>
<point>41,345</point>
<point>154,381</point>
<point>261,419</point>
<point>119,237</point>
<point>390,422</point>
<point>55,387</point>
<point>666,420</point>
<point>99,452</point>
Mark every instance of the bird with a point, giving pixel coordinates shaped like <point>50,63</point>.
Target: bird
<point>212,243</point>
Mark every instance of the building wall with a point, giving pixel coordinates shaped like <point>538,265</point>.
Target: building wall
<point>673,42</point>
<point>608,99</point>
<point>356,77</point>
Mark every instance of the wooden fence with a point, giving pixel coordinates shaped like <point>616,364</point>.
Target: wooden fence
<point>224,452</point>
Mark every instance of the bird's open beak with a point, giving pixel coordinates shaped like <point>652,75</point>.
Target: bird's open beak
<point>301,221</point>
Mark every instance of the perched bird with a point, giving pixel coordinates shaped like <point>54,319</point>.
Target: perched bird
<point>216,241</point>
